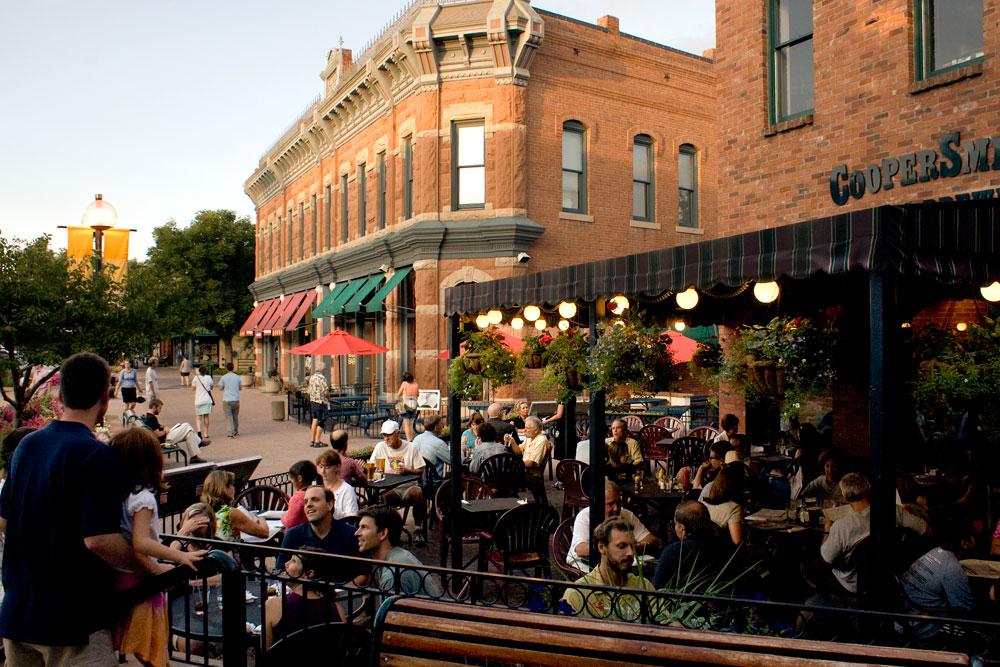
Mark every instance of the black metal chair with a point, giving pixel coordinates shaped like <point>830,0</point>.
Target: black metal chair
<point>473,488</point>
<point>504,473</point>
<point>521,539</point>
<point>262,498</point>
<point>559,548</point>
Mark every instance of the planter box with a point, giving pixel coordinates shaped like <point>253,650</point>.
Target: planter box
<point>271,386</point>
<point>246,380</point>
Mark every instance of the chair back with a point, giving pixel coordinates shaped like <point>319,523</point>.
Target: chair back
<point>300,647</point>
<point>704,432</point>
<point>262,498</point>
<point>570,473</point>
<point>688,451</point>
<point>242,468</point>
<point>559,549</point>
<point>875,591</point>
<point>633,423</point>
<point>672,424</point>
<point>526,529</point>
<point>473,488</point>
<point>504,473</point>
<point>649,439</point>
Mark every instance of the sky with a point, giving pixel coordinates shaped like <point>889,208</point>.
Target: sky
<point>166,107</point>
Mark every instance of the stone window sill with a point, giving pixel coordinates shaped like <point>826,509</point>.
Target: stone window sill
<point>698,231</point>
<point>788,125</point>
<point>576,217</point>
<point>644,224</point>
<point>945,78</point>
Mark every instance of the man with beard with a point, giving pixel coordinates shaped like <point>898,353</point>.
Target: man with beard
<point>617,547</point>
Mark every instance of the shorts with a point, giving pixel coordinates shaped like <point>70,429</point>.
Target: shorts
<point>203,409</point>
<point>184,375</point>
<point>128,394</point>
<point>318,411</point>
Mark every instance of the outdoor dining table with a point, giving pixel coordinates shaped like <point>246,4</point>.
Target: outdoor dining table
<point>190,617</point>
<point>483,514</point>
<point>388,483</point>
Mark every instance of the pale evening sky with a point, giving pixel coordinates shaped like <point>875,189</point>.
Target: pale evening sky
<point>165,108</point>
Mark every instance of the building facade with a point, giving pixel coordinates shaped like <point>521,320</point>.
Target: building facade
<point>473,140</point>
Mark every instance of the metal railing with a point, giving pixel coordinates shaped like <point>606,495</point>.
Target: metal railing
<point>253,583</point>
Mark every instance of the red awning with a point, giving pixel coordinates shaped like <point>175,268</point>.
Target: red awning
<point>288,309</point>
<point>255,315</point>
<point>264,326</point>
<point>300,312</point>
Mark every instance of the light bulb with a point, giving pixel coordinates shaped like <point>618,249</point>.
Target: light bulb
<point>619,304</point>
<point>687,299</point>
<point>532,313</point>
<point>567,309</point>
<point>766,292</point>
<point>991,292</point>
<point>482,321</point>
<point>494,316</point>
<point>517,323</point>
<point>563,325</point>
<point>540,324</point>
<point>619,323</point>
<point>679,325</point>
<point>905,325</point>
<point>961,326</point>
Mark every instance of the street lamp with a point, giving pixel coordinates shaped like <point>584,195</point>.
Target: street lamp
<point>100,216</point>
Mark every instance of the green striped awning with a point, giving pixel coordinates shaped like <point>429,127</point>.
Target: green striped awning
<point>353,304</point>
<point>323,309</point>
<point>375,303</point>
<point>950,242</point>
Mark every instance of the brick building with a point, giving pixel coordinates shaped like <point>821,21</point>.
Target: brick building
<point>468,133</point>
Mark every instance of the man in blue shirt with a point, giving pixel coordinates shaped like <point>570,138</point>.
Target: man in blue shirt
<point>322,531</point>
<point>434,450</point>
<point>230,383</point>
<point>60,510</point>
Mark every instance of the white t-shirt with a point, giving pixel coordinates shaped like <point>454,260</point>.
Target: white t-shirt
<point>152,383</point>
<point>202,383</point>
<point>581,534</point>
<point>345,501</point>
<point>407,456</point>
<point>723,513</point>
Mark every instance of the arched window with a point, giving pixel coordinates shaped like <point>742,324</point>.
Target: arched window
<point>687,186</point>
<point>574,167</point>
<point>642,178</point>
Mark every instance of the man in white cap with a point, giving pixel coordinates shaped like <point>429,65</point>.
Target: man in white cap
<point>402,457</point>
<point>319,394</point>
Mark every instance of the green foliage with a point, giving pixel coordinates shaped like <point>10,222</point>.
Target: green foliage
<point>566,353</point>
<point>496,364</point>
<point>463,384</point>
<point>631,355</point>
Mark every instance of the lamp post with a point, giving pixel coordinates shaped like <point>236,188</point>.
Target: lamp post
<point>100,216</point>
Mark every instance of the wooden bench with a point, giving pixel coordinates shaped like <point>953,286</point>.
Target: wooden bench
<point>421,633</point>
<point>183,487</point>
<point>242,468</point>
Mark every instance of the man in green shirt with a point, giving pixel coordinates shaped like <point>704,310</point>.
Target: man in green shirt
<point>617,548</point>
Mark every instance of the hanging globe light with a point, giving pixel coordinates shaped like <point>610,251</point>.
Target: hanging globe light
<point>563,325</point>
<point>494,316</point>
<point>679,325</point>
<point>619,323</point>
<point>482,321</point>
<point>540,324</point>
<point>567,309</point>
<point>687,299</point>
<point>532,313</point>
<point>962,326</point>
<point>516,323</point>
<point>766,292</point>
<point>991,292</point>
<point>619,304</point>
<point>99,213</point>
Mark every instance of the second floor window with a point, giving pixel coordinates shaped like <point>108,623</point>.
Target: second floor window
<point>362,199</point>
<point>468,173</point>
<point>381,190</point>
<point>687,186</point>
<point>329,215</point>
<point>302,231</point>
<point>407,178</point>
<point>574,167</point>
<point>288,240</point>
<point>949,33</point>
<point>344,210</point>
<point>642,178</point>
<point>315,226</point>
<point>790,31</point>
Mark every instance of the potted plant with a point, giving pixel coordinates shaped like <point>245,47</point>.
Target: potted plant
<point>631,356</point>
<point>273,383</point>
<point>533,354</point>
<point>487,357</point>
<point>565,364</point>
<point>246,377</point>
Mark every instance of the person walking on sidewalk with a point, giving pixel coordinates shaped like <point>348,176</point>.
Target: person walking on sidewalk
<point>203,402</point>
<point>319,394</point>
<point>185,370</point>
<point>152,380</point>
<point>230,383</point>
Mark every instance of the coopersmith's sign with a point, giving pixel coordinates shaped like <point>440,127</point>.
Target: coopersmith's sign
<point>953,157</point>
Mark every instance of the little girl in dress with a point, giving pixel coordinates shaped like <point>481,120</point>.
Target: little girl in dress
<point>143,632</point>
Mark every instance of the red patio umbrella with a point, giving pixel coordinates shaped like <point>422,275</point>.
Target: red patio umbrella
<point>682,347</point>
<point>513,343</point>
<point>339,343</point>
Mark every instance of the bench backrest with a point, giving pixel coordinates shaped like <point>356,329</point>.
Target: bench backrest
<point>184,487</point>
<point>409,631</point>
<point>242,468</point>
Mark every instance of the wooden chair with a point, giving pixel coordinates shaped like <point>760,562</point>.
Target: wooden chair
<point>504,473</point>
<point>559,548</point>
<point>262,498</point>
<point>704,432</point>
<point>473,488</point>
<point>633,423</point>
<point>570,473</point>
<point>521,539</point>
<point>672,424</point>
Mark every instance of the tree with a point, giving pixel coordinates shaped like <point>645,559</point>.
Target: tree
<point>209,265</point>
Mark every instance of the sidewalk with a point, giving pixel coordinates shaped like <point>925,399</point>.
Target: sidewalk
<point>279,443</point>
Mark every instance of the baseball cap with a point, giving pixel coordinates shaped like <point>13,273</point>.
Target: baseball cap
<point>390,426</point>
<point>732,457</point>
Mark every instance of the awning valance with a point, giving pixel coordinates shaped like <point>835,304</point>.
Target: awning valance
<point>950,242</point>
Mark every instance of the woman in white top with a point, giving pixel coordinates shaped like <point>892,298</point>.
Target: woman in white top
<point>203,401</point>
<point>345,500</point>
<point>724,501</point>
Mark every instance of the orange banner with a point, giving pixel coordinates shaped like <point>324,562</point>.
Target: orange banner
<point>79,246</point>
<point>116,252</point>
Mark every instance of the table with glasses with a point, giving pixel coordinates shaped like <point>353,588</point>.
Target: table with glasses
<point>378,487</point>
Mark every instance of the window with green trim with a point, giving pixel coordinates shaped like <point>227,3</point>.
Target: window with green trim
<point>790,33</point>
<point>574,167</point>
<point>642,178</point>
<point>343,208</point>
<point>362,199</point>
<point>407,178</point>
<point>381,190</point>
<point>948,34</point>
<point>687,187</point>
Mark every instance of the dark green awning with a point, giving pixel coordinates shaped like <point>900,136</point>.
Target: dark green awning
<point>375,303</point>
<point>353,304</point>
<point>324,308</point>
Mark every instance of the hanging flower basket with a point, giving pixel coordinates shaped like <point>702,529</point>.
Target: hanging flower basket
<point>533,360</point>
<point>472,363</point>
<point>766,378</point>
<point>573,380</point>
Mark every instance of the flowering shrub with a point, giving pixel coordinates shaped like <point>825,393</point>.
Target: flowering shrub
<point>633,356</point>
<point>43,407</point>
<point>565,363</point>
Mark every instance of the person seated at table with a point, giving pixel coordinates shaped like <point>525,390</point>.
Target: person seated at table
<point>622,450</point>
<point>533,451</point>
<point>494,416</point>
<point>617,547</point>
<point>470,436</point>
<point>710,468</point>
<point>308,598</point>
<point>180,435</point>
<point>519,414</point>
<point>487,447</point>
<point>351,469</point>
<point>434,450</point>
<point>579,546</point>
<point>725,501</point>
<point>378,538</point>
<point>812,623</point>
<point>403,458</point>
<point>826,487</point>
<point>328,465</point>
<point>324,532</point>
<point>728,428</point>
<point>847,531</point>
<point>218,492</point>
<point>741,446</point>
<point>695,553</point>
<point>301,474</point>
<point>198,520</point>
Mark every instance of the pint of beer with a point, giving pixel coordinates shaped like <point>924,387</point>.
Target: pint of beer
<point>381,465</point>
<point>370,470</point>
